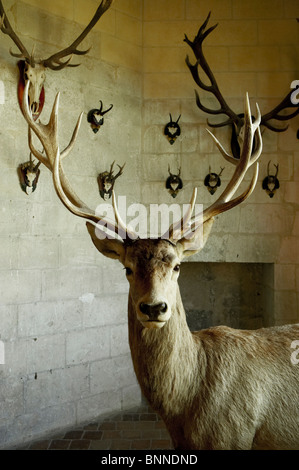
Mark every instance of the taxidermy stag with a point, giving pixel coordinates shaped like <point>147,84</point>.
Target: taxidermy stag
<point>218,388</point>
<point>233,119</point>
<point>34,70</point>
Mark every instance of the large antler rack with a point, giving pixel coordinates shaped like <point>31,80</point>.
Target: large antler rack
<point>233,118</point>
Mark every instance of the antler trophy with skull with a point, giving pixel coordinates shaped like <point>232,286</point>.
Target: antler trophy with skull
<point>29,174</point>
<point>106,181</point>
<point>174,183</point>
<point>34,70</point>
<point>235,120</point>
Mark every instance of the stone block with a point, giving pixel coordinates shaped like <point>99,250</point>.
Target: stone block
<point>115,51</point>
<point>221,9</point>
<point>108,309</point>
<point>97,405</point>
<point>255,58</point>
<point>11,398</point>
<point>289,251</point>
<point>88,345</point>
<point>111,374</point>
<point>257,9</point>
<point>285,31</point>
<point>20,286</point>
<point>47,318</point>
<point>45,353</point>
<point>54,7</point>
<point>119,340</point>
<point>161,10</point>
<point>284,277</point>
<point>70,283</point>
<point>130,7</point>
<point>55,387</point>
<point>128,28</point>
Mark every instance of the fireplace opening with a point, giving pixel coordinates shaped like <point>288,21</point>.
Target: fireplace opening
<point>239,295</point>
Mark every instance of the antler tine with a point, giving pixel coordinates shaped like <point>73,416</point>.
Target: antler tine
<point>48,136</point>
<point>6,28</point>
<point>225,202</point>
<point>75,209</point>
<point>54,62</point>
<point>255,129</point>
<point>120,171</point>
<point>285,103</point>
<point>178,228</point>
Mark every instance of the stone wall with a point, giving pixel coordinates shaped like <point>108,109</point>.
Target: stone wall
<point>63,306</point>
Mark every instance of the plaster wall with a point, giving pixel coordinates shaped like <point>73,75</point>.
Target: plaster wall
<point>63,306</point>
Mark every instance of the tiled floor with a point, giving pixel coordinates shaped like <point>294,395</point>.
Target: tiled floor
<point>136,429</point>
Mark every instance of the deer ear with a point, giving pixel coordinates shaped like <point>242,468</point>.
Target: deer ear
<point>190,246</point>
<point>112,248</point>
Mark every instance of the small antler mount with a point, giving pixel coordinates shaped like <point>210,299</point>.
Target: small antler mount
<point>270,183</point>
<point>28,175</point>
<point>96,117</point>
<point>172,130</point>
<point>174,183</point>
<point>106,181</point>
<point>212,181</point>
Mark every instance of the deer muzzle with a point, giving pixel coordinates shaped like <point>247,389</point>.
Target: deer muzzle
<point>153,315</point>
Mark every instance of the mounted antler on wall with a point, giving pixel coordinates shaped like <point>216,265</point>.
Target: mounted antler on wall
<point>106,181</point>
<point>34,70</point>
<point>28,175</point>
<point>172,130</point>
<point>270,182</point>
<point>174,182</point>
<point>234,119</point>
<point>92,117</point>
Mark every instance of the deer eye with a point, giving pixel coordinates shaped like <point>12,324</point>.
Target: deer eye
<point>128,271</point>
<point>177,268</point>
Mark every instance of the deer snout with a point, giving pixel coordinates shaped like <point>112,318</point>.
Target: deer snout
<point>153,312</point>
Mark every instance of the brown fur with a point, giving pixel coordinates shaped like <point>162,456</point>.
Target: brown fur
<point>218,388</point>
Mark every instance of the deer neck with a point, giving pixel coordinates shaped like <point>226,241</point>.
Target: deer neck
<point>165,360</point>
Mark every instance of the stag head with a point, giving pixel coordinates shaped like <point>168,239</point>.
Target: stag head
<point>34,70</point>
<point>152,281</point>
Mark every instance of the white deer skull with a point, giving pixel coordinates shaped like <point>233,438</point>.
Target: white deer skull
<point>36,75</point>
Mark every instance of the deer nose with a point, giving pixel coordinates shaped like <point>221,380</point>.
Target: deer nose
<point>154,312</point>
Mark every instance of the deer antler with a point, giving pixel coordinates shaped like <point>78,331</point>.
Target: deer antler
<point>213,88</point>
<point>274,114</point>
<point>188,225</point>
<point>54,62</point>
<point>48,136</point>
<point>6,28</point>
